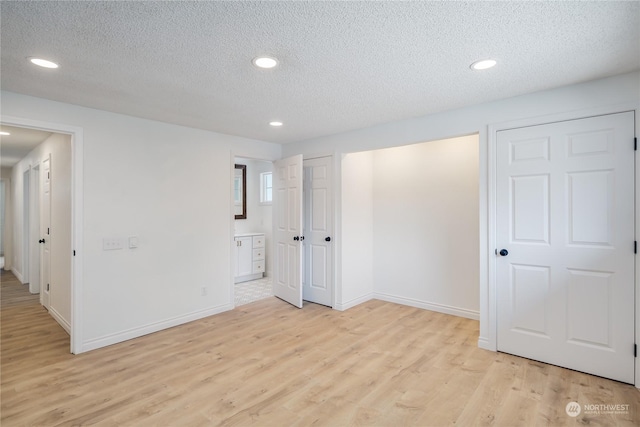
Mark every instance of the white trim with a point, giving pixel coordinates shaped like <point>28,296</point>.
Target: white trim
<point>431,306</point>
<point>65,325</point>
<point>489,342</point>
<point>637,238</point>
<point>317,156</point>
<point>17,274</point>
<point>337,226</point>
<point>484,344</point>
<point>232,232</point>
<point>352,303</point>
<point>150,328</point>
<point>77,224</point>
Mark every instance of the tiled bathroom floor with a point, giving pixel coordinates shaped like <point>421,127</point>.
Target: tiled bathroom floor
<point>253,290</point>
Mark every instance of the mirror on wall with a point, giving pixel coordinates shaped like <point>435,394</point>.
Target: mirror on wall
<point>240,191</point>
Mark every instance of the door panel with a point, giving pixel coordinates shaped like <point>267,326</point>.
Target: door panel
<point>318,226</point>
<point>287,199</point>
<point>565,213</point>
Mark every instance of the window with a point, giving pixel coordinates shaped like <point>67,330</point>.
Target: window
<point>266,188</point>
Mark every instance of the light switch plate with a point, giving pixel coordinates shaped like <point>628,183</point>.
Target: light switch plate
<point>112,243</point>
<point>133,242</point>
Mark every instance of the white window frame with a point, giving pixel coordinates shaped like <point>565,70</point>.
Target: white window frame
<point>263,188</point>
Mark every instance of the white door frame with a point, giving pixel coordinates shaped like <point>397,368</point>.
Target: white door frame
<point>76,134</point>
<point>488,302</point>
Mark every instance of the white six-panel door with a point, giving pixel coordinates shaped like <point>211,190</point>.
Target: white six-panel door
<point>287,201</point>
<point>565,214</point>
<point>317,283</point>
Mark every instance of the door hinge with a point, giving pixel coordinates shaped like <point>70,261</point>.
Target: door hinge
<point>48,231</point>
<point>635,350</point>
<point>635,144</point>
<point>74,252</point>
<point>635,246</point>
<point>47,286</point>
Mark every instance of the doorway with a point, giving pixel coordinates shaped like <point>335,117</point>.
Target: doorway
<point>252,230</point>
<point>26,224</point>
<point>309,263</point>
<point>65,228</point>
<point>34,230</point>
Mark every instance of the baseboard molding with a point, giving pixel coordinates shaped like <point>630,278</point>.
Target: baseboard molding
<point>61,320</point>
<point>440,308</point>
<point>353,302</point>
<point>483,343</point>
<point>118,337</point>
<point>17,274</point>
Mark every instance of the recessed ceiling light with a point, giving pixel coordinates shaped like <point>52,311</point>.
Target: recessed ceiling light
<point>265,62</point>
<point>4,133</point>
<point>483,64</point>
<point>275,124</point>
<point>43,63</point>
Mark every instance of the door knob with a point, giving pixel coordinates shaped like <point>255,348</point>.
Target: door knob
<point>296,238</point>
<point>41,241</point>
<point>327,239</point>
<point>504,252</point>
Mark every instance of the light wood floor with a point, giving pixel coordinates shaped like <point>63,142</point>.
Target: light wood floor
<point>15,293</point>
<point>270,364</point>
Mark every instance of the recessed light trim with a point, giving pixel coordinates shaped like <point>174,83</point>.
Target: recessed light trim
<point>275,124</point>
<point>483,64</point>
<point>42,62</point>
<point>265,62</point>
<point>4,133</point>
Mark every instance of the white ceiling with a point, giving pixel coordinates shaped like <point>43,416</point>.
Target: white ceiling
<point>20,143</point>
<point>343,65</point>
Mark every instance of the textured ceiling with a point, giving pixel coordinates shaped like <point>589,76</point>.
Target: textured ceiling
<point>343,65</point>
<point>20,143</point>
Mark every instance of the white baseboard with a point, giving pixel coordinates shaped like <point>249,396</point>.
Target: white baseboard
<point>440,308</point>
<point>484,344</point>
<point>118,337</point>
<point>61,320</point>
<point>17,274</point>
<point>352,303</point>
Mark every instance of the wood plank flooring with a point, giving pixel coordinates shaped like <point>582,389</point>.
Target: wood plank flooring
<point>15,293</point>
<point>270,364</point>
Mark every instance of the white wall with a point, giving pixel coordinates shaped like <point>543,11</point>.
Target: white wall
<point>259,217</point>
<point>622,90</point>
<point>170,186</point>
<point>355,228</point>
<point>425,225</point>
<point>59,147</point>
<point>409,221</point>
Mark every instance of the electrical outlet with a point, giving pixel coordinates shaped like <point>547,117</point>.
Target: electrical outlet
<point>112,243</point>
<point>203,291</point>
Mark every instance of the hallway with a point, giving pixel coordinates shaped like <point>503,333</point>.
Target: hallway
<point>14,293</point>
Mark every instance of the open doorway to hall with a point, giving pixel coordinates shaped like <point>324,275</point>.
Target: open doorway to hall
<point>36,237</point>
